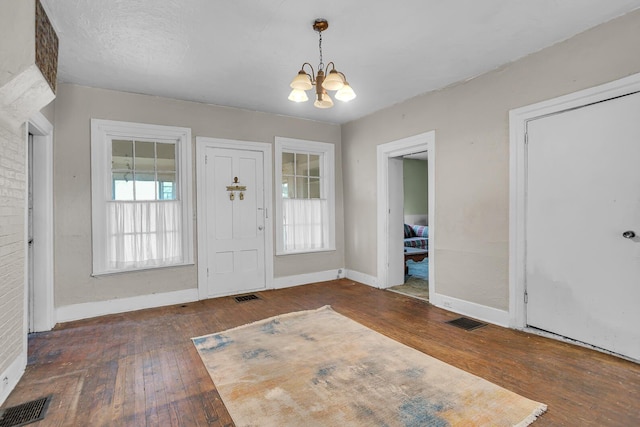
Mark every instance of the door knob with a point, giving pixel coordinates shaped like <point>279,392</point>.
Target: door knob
<point>629,234</point>
<point>260,227</point>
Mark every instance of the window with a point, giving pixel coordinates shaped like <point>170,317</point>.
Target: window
<point>141,196</point>
<point>305,196</point>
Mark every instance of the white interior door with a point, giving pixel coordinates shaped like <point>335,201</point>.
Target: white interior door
<point>30,242</point>
<point>235,221</point>
<point>396,222</point>
<point>583,194</point>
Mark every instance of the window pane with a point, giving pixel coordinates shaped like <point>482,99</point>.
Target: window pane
<point>166,157</point>
<point>302,188</point>
<point>305,224</point>
<point>314,188</point>
<point>138,213</point>
<point>122,186</point>
<point>314,165</point>
<point>287,163</point>
<point>288,187</point>
<point>166,186</point>
<point>121,155</point>
<point>145,186</point>
<point>145,156</point>
<point>302,164</point>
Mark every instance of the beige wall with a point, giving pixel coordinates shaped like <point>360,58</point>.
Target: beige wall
<point>415,178</point>
<point>472,156</point>
<point>75,106</point>
<point>17,37</point>
<point>12,245</point>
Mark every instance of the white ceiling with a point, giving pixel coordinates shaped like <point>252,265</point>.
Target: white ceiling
<point>244,53</point>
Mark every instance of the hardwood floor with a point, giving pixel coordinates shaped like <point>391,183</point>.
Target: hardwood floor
<point>140,368</point>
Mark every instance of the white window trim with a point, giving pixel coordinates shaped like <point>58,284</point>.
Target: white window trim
<point>101,132</point>
<point>328,167</point>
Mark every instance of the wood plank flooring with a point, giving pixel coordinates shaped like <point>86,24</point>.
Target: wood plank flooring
<point>141,369</point>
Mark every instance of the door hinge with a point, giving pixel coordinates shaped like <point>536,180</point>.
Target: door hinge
<point>206,159</point>
<point>207,271</point>
<point>526,138</point>
<point>526,297</point>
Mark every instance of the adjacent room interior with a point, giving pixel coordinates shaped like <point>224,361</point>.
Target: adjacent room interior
<point>415,181</point>
<point>170,175</point>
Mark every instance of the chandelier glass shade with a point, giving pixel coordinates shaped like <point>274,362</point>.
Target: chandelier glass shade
<point>298,95</point>
<point>306,79</point>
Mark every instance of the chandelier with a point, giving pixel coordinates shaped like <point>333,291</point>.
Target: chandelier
<point>335,80</point>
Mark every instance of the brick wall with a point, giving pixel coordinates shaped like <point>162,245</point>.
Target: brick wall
<point>12,245</point>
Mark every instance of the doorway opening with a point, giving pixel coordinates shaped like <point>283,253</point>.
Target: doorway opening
<point>392,259</point>
<point>416,226</point>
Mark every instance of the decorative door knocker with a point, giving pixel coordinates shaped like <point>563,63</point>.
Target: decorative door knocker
<point>236,187</point>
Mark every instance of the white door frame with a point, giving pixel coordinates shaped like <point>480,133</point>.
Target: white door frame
<point>518,119</point>
<point>43,293</point>
<point>402,147</point>
<point>202,143</point>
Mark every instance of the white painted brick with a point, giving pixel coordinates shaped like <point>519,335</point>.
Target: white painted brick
<point>12,245</point>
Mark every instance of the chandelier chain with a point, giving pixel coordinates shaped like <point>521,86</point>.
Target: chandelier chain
<point>308,78</point>
<point>321,65</point>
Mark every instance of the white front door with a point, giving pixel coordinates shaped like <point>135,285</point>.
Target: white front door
<point>583,197</point>
<point>235,221</point>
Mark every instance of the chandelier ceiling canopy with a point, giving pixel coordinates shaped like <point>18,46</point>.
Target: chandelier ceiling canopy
<point>334,80</point>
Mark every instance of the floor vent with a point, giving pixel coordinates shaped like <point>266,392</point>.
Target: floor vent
<point>25,413</point>
<point>466,323</point>
<point>245,298</point>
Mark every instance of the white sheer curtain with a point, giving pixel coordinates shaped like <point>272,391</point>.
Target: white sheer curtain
<point>143,234</point>
<point>305,224</point>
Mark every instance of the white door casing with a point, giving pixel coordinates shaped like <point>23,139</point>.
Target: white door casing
<point>387,184</point>
<point>583,192</point>
<point>234,236</point>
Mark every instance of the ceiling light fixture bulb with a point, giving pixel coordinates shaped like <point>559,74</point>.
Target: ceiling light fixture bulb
<point>298,95</point>
<point>345,94</point>
<point>323,101</point>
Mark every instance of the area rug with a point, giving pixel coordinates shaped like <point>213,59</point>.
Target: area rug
<point>319,368</point>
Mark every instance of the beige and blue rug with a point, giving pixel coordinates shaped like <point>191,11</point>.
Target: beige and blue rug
<point>319,368</point>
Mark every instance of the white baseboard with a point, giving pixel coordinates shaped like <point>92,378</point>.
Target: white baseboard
<point>471,309</point>
<point>362,278</point>
<point>303,279</point>
<point>100,308</point>
<point>10,377</point>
